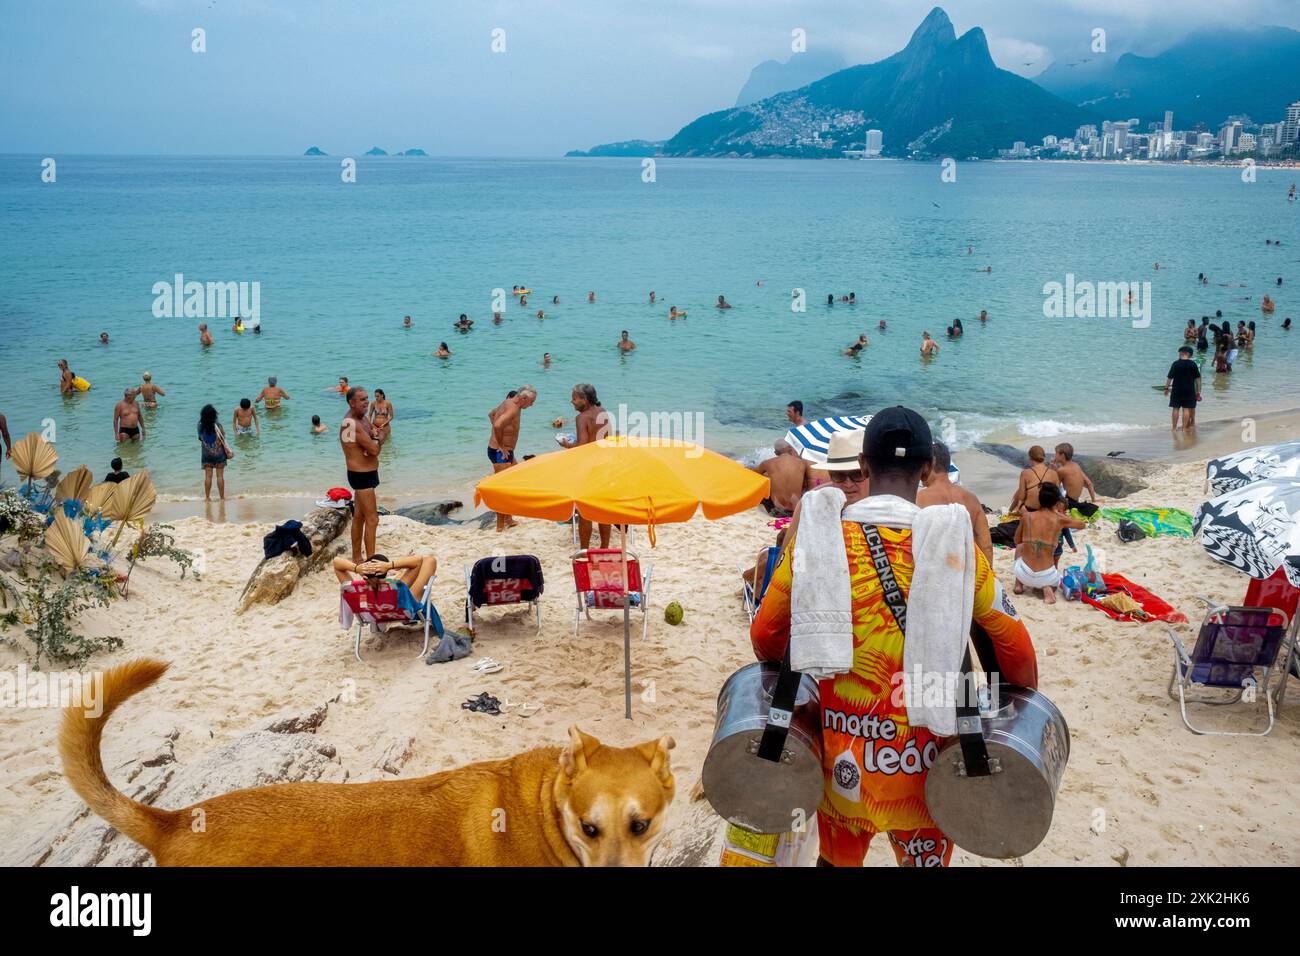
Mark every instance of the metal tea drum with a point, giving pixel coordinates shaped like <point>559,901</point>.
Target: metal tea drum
<point>1008,812</point>
<point>756,794</point>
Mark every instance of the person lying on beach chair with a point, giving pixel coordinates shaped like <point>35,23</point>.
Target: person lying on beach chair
<point>370,596</point>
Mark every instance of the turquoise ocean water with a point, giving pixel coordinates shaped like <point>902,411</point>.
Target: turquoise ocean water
<point>339,265</point>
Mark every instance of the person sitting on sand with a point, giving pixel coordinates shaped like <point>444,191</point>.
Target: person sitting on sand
<point>754,576</point>
<point>939,490</point>
<point>127,423</point>
<point>317,427</point>
<point>723,303</point>
<point>625,344</point>
<point>1037,538</point>
<point>381,415</point>
<point>443,351</point>
<point>149,391</point>
<point>272,394</point>
<point>463,324</point>
<point>787,474</point>
<point>1074,480</point>
<point>413,572</point>
<point>857,346</point>
<point>1033,479</point>
<point>928,345</point>
<point>117,475</point>
<point>205,337</point>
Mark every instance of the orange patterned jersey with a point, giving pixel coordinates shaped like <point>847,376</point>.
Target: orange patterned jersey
<point>875,763</point>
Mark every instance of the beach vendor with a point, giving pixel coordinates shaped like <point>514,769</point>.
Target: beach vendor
<point>852,559</point>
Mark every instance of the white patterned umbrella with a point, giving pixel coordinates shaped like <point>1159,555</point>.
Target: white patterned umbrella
<point>1255,528</point>
<point>1254,464</point>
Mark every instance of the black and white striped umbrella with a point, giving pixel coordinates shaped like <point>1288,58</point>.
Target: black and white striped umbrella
<point>1255,528</point>
<point>1254,464</point>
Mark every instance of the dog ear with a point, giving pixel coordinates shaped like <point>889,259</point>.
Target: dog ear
<point>655,753</point>
<point>573,759</point>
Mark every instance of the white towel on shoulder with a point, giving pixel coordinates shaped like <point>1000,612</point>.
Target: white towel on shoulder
<point>939,604</point>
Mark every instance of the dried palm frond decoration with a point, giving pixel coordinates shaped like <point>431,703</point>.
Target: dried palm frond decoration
<point>66,544</point>
<point>75,485</point>
<point>98,497</point>
<point>33,457</point>
<point>132,500</point>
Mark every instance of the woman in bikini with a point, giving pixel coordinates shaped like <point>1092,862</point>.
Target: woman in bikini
<point>1033,478</point>
<point>381,414</point>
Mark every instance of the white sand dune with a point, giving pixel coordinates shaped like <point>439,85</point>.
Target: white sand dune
<point>1139,789</point>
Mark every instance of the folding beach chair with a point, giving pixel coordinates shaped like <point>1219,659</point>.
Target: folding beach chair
<point>501,580</point>
<point>387,604</point>
<point>753,593</point>
<point>1231,646</point>
<point>598,583</point>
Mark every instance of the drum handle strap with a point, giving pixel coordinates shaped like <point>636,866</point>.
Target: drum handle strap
<point>970,731</point>
<point>781,710</point>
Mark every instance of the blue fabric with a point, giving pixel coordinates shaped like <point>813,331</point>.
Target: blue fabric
<point>408,602</point>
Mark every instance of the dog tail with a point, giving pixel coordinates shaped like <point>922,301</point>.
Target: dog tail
<point>79,739</point>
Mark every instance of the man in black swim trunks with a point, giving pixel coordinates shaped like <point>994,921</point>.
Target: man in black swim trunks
<point>361,458</point>
<point>1183,386</point>
<point>127,425</point>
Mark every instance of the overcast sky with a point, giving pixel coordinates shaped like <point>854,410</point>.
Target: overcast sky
<point>118,76</point>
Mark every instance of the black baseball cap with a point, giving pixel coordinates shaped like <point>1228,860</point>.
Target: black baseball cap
<point>898,434</point>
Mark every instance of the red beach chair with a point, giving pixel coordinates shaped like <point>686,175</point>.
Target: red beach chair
<point>598,583</point>
<point>387,604</point>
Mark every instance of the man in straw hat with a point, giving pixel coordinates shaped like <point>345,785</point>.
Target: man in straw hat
<point>874,597</point>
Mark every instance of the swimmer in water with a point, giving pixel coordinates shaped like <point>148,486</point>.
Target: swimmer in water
<point>625,344</point>
<point>984,316</point>
<point>316,426</point>
<point>857,346</point>
<point>1267,304</point>
<point>496,318</point>
<point>541,314</point>
<point>238,326</point>
<point>381,415</point>
<point>443,351</point>
<point>652,298</point>
<point>881,326</point>
<point>929,346</point>
<point>149,391</point>
<point>205,337</point>
<point>674,314</point>
<point>272,394</point>
<point>523,301</point>
<point>245,419</point>
<point>555,300</point>
<point>591,297</point>
<point>463,324</point>
<point>546,360</point>
<point>341,387</point>
<point>723,303</point>
<point>103,338</point>
<point>406,322</point>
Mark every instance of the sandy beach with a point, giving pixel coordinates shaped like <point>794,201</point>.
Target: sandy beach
<point>1139,788</point>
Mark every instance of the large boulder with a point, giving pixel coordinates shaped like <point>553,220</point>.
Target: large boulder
<point>275,578</point>
<point>431,512</point>
<point>1112,477</point>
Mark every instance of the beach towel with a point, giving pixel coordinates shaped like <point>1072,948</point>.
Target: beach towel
<point>1155,607</point>
<point>940,600</point>
<point>1154,521</point>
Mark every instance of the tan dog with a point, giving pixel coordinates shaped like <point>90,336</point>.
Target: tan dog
<point>583,805</point>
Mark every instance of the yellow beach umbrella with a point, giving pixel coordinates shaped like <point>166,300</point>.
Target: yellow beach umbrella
<point>33,457</point>
<point>132,500</point>
<point>66,543</point>
<point>75,485</point>
<point>625,480</point>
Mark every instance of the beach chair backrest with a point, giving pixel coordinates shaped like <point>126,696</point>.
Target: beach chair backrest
<point>769,558</point>
<point>505,580</point>
<point>375,604</point>
<point>1233,642</point>
<point>600,572</point>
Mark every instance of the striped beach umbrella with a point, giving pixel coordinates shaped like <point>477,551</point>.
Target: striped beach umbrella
<point>812,439</point>
<point>1254,464</point>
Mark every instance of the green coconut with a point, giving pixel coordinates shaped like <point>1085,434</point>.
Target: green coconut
<point>673,614</point>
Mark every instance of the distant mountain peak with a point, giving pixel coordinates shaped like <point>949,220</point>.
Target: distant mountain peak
<point>972,50</point>
<point>934,33</point>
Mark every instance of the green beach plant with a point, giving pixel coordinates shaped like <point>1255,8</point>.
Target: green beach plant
<point>50,605</point>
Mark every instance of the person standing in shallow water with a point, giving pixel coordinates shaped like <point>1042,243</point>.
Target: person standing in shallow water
<point>214,452</point>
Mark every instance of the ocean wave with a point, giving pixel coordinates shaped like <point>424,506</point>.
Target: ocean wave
<point>1050,428</point>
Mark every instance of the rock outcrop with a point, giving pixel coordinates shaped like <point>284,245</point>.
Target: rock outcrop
<point>275,578</point>
<point>1112,477</point>
<point>431,512</point>
<point>285,750</point>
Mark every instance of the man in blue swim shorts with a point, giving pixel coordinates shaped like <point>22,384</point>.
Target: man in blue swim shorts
<point>505,419</point>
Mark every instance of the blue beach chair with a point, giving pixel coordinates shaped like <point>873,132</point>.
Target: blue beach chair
<point>753,593</point>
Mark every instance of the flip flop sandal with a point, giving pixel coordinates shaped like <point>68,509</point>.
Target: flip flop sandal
<point>491,667</point>
<point>481,663</point>
<point>527,710</point>
<point>484,703</point>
